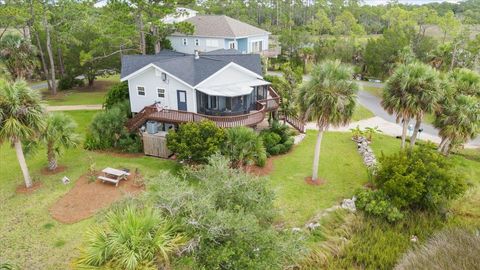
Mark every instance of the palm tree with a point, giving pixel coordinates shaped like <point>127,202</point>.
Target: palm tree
<point>59,133</point>
<point>21,118</point>
<point>413,90</point>
<point>458,122</point>
<point>18,54</point>
<point>329,98</point>
<point>244,146</point>
<point>131,239</point>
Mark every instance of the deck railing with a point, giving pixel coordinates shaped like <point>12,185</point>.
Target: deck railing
<point>176,117</point>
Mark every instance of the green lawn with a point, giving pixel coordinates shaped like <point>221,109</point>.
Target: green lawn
<point>376,91</point>
<point>29,236</point>
<point>361,113</point>
<point>340,166</point>
<point>83,95</point>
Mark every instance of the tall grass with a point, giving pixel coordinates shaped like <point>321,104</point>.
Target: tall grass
<point>448,249</point>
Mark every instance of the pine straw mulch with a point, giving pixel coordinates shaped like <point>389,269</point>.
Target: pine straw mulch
<point>87,198</point>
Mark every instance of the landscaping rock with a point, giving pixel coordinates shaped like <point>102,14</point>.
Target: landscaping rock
<point>313,225</point>
<point>65,180</point>
<point>366,152</point>
<point>349,204</point>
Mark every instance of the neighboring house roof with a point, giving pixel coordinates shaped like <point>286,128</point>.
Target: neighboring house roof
<point>180,15</point>
<point>187,68</point>
<point>222,26</point>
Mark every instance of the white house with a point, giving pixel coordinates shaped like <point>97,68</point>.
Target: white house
<point>181,14</point>
<point>224,86</point>
<point>214,32</point>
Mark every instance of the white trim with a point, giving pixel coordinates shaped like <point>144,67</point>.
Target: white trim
<point>134,74</point>
<point>144,91</point>
<point>227,66</point>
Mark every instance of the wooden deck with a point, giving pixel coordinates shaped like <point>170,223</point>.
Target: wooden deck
<point>177,117</point>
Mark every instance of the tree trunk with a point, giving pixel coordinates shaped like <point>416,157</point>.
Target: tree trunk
<point>442,143</point>
<point>52,160</point>
<point>446,147</point>
<point>39,46</point>
<point>454,55</point>
<point>139,20</point>
<point>60,62</point>
<point>23,163</point>
<point>316,158</point>
<point>415,131</point>
<point>404,132</point>
<point>158,45</point>
<point>50,53</point>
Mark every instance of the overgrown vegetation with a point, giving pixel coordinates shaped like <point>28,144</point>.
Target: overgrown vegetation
<point>243,146</point>
<point>277,139</point>
<point>118,93</point>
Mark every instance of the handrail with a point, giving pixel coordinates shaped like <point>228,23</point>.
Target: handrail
<point>152,113</point>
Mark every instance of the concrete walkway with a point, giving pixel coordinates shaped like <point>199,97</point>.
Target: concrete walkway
<point>93,107</point>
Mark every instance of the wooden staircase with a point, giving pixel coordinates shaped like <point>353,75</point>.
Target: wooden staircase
<point>295,123</point>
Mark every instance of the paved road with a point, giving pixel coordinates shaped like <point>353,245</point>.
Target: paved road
<point>39,86</point>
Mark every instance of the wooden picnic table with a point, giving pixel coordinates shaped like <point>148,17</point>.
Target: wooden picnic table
<point>113,175</point>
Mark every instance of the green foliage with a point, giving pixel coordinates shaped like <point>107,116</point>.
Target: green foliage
<point>116,94</point>
<point>131,238</point>
<point>18,55</point>
<point>108,131</point>
<point>277,139</point>
<point>229,214</point>
<point>68,82</point>
<point>196,141</point>
<point>421,178</point>
<point>376,203</point>
<point>244,146</point>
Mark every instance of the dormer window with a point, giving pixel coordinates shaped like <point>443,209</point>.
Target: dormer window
<point>185,42</point>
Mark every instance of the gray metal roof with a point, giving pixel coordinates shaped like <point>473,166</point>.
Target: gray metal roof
<point>222,26</point>
<point>187,68</point>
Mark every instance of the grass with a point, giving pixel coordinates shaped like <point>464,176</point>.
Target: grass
<point>361,113</point>
<point>83,95</point>
<point>340,167</point>
<point>29,235</point>
<point>376,91</point>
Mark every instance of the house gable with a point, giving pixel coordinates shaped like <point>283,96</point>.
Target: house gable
<point>231,73</point>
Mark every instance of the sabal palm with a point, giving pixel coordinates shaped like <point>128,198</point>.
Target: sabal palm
<point>413,90</point>
<point>59,133</point>
<point>244,146</point>
<point>458,122</point>
<point>18,55</point>
<point>329,98</point>
<point>466,82</point>
<point>131,239</point>
<point>21,118</point>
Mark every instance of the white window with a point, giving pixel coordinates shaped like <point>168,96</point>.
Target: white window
<point>197,42</point>
<point>141,90</point>
<point>231,45</point>
<point>161,92</point>
<point>212,43</point>
<point>185,41</point>
<point>257,46</point>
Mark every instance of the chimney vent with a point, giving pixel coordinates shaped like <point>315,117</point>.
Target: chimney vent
<point>197,56</point>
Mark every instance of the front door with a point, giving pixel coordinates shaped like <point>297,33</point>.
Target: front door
<point>182,100</point>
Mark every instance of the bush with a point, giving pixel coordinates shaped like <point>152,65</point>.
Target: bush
<point>277,139</point>
<point>117,93</point>
<point>132,238</point>
<point>243,146</point>
<point>230,215</point>
<point>196,141</point>
<point>375,203</point>
<point>421,178</point>
<point>108,131</point>
<point>68,82</point>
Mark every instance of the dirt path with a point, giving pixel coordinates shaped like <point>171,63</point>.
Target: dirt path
<point>93,107</point>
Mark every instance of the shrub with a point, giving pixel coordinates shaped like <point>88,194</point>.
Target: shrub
<point>421,178</point>
<point>243,146</point>
<point>196,141</point>
<point>230,215</point>
<point>118,93</point>
<point>68,82</point>
<point>375,203</point>
<point>132,238</point>
<point>449,249</point>
<point>277,139</point>
<point>108,131</point>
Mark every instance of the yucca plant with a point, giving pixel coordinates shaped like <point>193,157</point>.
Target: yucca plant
<point>132,238</point>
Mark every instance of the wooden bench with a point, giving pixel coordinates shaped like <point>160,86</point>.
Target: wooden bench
<point>115,181</point>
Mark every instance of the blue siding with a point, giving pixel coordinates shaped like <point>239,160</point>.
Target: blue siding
<point>227,40</point>
<point>242,45</point>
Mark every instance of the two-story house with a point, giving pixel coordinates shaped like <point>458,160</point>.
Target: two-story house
<point>214,32</point>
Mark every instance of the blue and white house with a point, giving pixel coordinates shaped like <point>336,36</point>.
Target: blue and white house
<point>214,32</point>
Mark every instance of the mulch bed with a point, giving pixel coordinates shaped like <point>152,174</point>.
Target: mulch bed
<point>87,198</point>
<point>309,181</point>
<point>21,189</point>
<point>59,169</point>
<point>261,171</point>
